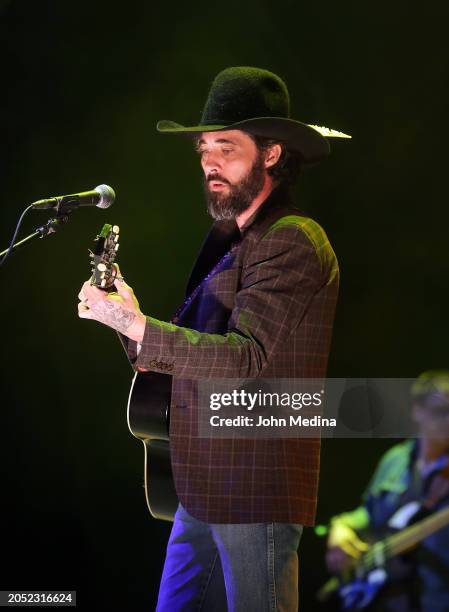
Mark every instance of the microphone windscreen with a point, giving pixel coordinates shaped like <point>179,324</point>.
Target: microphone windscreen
<point>107,196</point>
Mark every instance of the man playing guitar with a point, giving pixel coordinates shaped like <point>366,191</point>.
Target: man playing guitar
<point>261,301</point>
<point>411,476</point>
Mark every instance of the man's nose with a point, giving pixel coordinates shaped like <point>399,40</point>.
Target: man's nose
<point>211,162</point>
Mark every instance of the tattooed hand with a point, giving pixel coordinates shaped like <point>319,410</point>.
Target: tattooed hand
<point>119,310</point>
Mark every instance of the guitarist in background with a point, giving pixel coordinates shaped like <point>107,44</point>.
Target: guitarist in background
<point>261,302</point>
<point>412,470</point>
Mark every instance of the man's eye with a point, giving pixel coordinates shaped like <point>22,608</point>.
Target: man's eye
<point>227,150</point>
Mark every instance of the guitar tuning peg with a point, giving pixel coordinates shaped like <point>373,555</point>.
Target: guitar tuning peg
<point>115,229</point>
<point>116,247</point>
<point>101,267</point>
<point>103,283</point>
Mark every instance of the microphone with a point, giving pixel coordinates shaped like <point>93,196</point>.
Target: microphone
<point>102,196</point>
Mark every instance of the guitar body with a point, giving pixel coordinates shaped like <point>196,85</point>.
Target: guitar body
<point>148,420</point>
<point>359,593</point>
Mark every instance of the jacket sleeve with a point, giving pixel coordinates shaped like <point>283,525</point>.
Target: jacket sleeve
<point>280,276</point>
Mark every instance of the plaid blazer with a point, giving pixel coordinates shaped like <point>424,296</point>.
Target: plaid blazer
<point>266,310</point>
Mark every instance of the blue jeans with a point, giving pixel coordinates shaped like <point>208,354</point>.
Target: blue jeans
<point>245,567</point>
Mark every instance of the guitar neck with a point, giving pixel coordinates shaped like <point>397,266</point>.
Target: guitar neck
<point>403,541</point>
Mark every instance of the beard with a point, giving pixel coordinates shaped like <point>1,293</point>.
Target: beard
<point>240,195</point>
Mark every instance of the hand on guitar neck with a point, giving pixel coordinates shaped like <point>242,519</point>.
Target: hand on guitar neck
<point>344,547</point>
<point>117,309</point>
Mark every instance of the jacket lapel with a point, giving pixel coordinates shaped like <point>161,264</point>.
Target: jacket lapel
<point>223,233</point>
<point>218,241</point>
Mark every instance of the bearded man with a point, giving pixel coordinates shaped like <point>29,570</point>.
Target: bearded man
<point>260,302</point>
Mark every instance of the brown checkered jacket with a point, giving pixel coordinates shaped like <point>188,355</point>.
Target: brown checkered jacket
<point>266,311</point>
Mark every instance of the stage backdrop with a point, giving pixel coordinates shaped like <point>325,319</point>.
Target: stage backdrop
<point>83,85</point>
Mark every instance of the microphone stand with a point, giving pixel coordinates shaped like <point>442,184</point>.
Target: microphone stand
<point>52,226</point>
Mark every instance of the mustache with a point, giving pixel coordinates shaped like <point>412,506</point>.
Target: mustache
<point>216,177</point>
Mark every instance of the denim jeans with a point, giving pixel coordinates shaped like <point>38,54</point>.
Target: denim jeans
<point>245,567</point>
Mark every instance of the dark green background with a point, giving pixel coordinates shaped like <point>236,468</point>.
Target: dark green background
<point>83,84</point>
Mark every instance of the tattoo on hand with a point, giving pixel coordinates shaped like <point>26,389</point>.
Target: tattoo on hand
<point>114,315</point>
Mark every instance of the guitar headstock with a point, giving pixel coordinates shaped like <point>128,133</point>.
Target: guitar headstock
<point>103,256</point>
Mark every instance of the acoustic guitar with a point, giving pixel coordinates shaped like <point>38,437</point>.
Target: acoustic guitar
<point>149,398</point>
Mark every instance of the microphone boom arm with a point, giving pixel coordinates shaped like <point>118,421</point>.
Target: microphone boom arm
<point>48,228</point>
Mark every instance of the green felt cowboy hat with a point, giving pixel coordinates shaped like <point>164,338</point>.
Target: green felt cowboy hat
<point>256,101</point>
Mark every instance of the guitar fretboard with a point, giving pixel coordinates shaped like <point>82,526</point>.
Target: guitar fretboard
<point>403,541</point>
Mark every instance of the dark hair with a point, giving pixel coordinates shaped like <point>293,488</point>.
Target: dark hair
<point>289,165</point>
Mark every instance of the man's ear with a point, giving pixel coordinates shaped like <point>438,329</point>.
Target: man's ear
<point>272,155</point>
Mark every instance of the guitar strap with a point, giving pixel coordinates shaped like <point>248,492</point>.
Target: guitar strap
<point>438,486</point>
<point>178,314</point>
<point>429,488</point>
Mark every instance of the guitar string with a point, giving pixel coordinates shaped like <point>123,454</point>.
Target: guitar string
<point>399,542</point>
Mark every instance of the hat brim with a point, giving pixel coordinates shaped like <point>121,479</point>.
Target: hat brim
<point>297,136</point>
